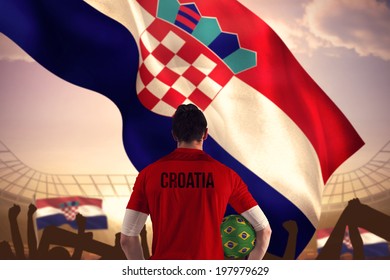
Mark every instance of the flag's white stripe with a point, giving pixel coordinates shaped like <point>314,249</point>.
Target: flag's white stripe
<point>275,149</point>
<point>321,242</point>
<point>263,138</point>
<point>370,238</point>
<point>85,210</point>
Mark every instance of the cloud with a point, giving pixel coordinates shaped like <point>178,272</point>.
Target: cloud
<point>307,26</point>
<point>361,25</point>
<point>286,19</point>
<point>12,52</point>
<point>296,36</point>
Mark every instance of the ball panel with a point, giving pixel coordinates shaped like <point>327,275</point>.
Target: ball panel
<point>238,236</point>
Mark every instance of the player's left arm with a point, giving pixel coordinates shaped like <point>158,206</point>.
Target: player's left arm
<point>133,223</point>
<point>243,202</point>
<point>259,221</point>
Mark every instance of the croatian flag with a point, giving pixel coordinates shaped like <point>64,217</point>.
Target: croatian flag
<point>268,120</point>
<point>374,246</point>
<point>63,210</point>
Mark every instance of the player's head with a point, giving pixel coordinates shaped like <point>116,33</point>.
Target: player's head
<point>188,124</point>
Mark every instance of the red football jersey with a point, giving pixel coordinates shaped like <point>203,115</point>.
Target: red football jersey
<point>186,194</point>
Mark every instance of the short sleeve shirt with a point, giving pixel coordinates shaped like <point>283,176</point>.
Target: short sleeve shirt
<point>186,194</point>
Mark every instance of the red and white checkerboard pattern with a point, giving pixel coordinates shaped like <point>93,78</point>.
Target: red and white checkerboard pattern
<point>70,212</point>
<point>177,69</point>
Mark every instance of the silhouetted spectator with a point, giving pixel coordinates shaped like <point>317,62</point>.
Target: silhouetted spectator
<point>13,213</point>
<point>6,251</point>
<point>31,237</point>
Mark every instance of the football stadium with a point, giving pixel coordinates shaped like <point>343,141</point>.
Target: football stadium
<point>22,185</point>
<point>289,97</point>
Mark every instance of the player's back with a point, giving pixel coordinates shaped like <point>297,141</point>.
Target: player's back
<point>187,194</point>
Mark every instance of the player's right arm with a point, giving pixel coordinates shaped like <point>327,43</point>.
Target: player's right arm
<point>133,223</point>
<point>137,211</point>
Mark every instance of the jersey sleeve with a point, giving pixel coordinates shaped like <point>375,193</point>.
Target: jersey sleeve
<point>133,222</point>
<point>241,199</point>
<point>256,218</point>
<point>138,200</point>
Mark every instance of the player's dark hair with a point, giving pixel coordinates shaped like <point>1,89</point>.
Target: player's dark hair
<point>188,123</point>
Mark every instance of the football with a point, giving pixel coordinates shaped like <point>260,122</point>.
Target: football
<point>238,237</point>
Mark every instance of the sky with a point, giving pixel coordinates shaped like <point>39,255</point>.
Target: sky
<point>56,127</point>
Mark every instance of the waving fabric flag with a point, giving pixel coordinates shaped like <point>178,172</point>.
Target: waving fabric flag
<point>63,210</point>
<point>268,119</point>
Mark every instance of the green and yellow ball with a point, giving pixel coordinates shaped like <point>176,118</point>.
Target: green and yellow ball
<point>238,237</point>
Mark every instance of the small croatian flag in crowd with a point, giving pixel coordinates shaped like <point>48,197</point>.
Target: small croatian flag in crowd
<point>63,210</point>
<point>373,245</point>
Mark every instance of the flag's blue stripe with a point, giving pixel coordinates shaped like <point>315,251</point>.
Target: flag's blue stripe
<point>96,52</point>
<point>95,222</point>
<point>371,251</point>
<point>376,250</point>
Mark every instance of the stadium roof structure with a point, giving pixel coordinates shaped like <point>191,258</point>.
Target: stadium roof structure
<point>21,183</point>
<point>370,183</point>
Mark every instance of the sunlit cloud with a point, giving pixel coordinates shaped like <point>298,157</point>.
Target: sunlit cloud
<point>361,25</point>
<point>297,36</point>
<point>307,26</point>
<point>286,18</point>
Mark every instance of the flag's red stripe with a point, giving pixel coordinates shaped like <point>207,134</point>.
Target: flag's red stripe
<point>56,201</point>
<point>322,233</point>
